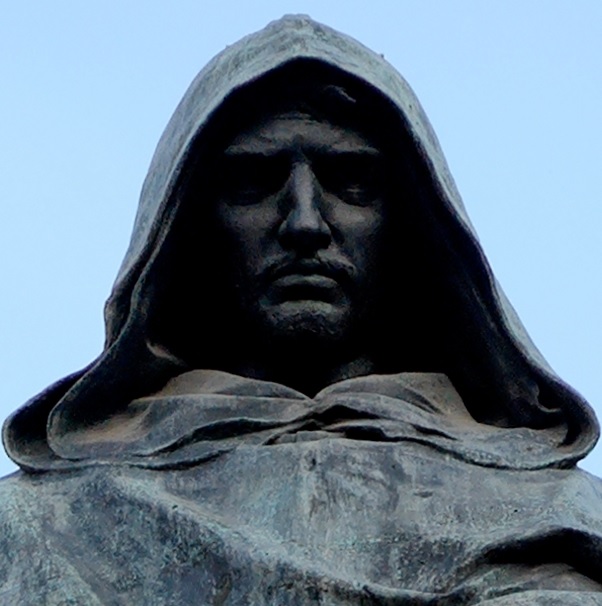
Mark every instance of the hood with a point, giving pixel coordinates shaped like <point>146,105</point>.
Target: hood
<point>501,375</point>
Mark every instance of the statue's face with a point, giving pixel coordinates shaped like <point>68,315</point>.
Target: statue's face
<point>301,211</point>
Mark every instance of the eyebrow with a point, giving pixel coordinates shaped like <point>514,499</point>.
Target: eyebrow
<point>272,149</point>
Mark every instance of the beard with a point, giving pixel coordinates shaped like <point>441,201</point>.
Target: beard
<point>305,323</point>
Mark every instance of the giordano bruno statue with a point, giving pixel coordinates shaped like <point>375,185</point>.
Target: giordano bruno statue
<point>313,390</point>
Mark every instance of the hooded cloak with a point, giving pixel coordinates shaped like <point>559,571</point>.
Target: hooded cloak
<point>453,485</point>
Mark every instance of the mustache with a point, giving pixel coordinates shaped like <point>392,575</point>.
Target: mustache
<point>336,268</point>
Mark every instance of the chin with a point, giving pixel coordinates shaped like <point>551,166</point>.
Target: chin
<point>308,322</point>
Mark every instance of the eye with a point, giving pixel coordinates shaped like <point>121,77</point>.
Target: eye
<point>356,179</point>
<point>248,178</point>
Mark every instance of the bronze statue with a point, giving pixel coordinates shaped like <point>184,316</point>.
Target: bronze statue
<point>313,391</point>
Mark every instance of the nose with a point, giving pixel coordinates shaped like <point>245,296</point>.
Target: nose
<point>303,227</point>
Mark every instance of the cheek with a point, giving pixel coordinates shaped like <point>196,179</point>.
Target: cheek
<point>361,234</point>
<point>245,235</point>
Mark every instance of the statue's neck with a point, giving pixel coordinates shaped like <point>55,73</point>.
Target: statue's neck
<point>307,374</point>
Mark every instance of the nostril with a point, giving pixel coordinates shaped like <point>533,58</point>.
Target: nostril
<point>304,230</point>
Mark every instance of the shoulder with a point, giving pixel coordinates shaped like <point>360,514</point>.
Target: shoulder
<point>571,495</point>
<point>36,566</point>
<point>29,506</point>
<point>588,487</point>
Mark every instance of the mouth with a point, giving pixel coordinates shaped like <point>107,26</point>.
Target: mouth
<point>306,280</point>
<point>299,287</point>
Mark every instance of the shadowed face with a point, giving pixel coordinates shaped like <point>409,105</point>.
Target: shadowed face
<point>301,214</point>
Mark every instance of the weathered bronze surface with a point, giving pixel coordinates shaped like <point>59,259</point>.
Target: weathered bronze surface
<point>313,390</point>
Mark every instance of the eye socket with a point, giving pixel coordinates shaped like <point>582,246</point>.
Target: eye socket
<point>249,178</point>
<point>357,179</point>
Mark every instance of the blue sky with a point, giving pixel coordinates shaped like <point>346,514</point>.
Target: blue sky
<point>512,87</point>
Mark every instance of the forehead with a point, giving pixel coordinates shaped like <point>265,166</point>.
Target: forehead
<point>294,132</point>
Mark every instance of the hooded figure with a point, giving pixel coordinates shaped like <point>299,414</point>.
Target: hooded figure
<point>169,471</point>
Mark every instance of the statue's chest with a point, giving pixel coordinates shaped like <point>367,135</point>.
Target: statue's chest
<point>330,521</point>
<point>395,514</point>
